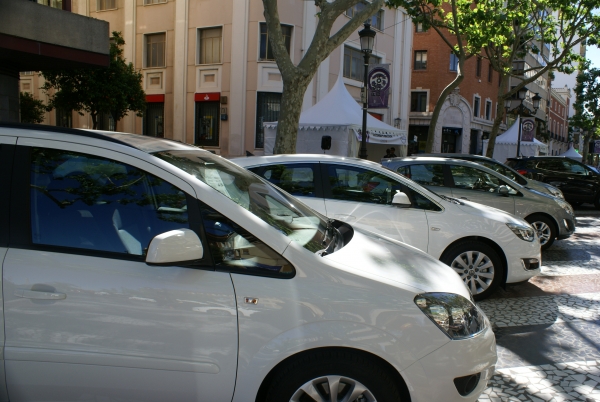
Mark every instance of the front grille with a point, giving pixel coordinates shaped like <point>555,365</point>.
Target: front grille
<point>465,385</point>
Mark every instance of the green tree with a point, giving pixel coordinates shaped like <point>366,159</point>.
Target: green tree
<point>297,77</point>
<point>587,105</point>
<point>116,89</point>
<point>32,110</point>
<point>546,29</point>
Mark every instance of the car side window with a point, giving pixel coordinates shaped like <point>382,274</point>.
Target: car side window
<point>350,183</point>
<point>235,249</point>
<point>500,169</point>
<point>469,178</point>
<point>574,167</point>
<point>88,202</point>
<point>425,175</point>
<point>296,179</point>
<point>553,165</point>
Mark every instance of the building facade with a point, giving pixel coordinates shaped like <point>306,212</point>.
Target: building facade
<point>209,73</point>
<point>467,114</point>
<point>558,120</point>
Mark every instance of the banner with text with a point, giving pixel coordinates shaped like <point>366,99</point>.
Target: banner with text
<point>378,81</point>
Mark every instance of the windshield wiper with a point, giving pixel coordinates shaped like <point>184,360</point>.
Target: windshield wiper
<point>450,199</point>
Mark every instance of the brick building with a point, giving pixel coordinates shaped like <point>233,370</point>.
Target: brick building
<point>558,120</point>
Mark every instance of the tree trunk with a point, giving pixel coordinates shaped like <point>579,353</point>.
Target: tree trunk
<point>289,115</point>
<point>438,108</point>
<point>586,147</point>
<point>498,120</point>
<point>94,120</point>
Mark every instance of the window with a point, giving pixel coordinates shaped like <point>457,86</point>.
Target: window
<point>478,68</point>
<point>490,72</point>
<point>425,175</point>
<point>488,110</point>
<point>268,105</point>
<point>154,119</point>
<point>376,19</point>
<point>420,62</point>
<point>155,50</point>
<point>453,62</point>
<point>234,248</point>
<point>266,53</point>
<point>209,45</point>
<point>468,178</point>
<point>418,101</point>
<point>476,103</point>
<point>207,123</point>
<point>419,27</point>
<point>106,5</point>
<point>147,2</point>
<point>87,202</point>
<point>297,179</point>
<point>52,3</point>
<point>354,63</point>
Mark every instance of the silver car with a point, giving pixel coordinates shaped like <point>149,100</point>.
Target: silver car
<point>551,217</point>
<point>504,170</point>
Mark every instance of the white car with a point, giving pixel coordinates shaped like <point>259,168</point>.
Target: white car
<point>485,246</point>
<point>136,268</point>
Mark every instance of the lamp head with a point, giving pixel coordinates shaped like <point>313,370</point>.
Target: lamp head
<point>367,38</point>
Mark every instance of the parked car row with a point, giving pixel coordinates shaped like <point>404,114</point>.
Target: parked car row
<point>137,268</point>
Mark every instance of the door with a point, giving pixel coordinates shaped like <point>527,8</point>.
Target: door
<point>207,123</point>
<point>302,180</point>
<point>85,317</point>
<point>579,182</point>
<point>363,197</point>
<point>153,119</point>
<point>477,185</point>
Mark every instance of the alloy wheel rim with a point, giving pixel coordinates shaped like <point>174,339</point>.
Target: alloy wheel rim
<point>476,269</point>
<point>333,388</point>
<point>543,231</point>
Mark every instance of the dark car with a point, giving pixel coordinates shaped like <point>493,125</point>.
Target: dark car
<point>577,181</point>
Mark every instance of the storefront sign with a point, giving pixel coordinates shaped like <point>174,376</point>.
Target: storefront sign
<point>378,81</point>
<point>207,97</point>
<point>527,129</point>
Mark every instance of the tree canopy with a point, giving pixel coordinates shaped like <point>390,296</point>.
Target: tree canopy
<point>116,90</point>
<point>587,105</point>
<point>32,110</point>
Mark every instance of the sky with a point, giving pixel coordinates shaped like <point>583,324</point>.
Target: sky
<point>593,53</point>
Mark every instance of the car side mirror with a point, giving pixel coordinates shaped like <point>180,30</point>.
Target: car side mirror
<point>401,199</point>
<point>176,247</point>
<point>503,190</point>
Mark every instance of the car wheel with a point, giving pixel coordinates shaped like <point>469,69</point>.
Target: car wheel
<point>545,229</point>
<point>478,265</point>
<point>333,375</point>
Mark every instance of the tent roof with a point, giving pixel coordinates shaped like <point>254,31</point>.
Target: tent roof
<point>511,136</point>
<point>572,153</point>
<point>338,108</point>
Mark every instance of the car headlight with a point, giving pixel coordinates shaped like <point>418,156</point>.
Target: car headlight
<point>566,206</point>
<point>523,232</point>
<point>555,192</point>
<point>456,316</point>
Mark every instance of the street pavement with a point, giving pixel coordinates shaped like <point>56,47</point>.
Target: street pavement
<point>548,329</point>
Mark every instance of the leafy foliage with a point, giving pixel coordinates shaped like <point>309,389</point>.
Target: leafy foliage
<point>587,104</point>
<point>32,110</point>
<point>116,89</point>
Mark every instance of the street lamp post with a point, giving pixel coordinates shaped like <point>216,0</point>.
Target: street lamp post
<point>367,40</point>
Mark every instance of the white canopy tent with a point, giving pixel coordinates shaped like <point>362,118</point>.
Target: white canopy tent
<point>338,115</point>
<point>572,153</point>
<point>506,145</point>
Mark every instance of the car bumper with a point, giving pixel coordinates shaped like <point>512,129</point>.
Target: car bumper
<point>432,377</point>
<point>520,259</point>
<point>566,226</point>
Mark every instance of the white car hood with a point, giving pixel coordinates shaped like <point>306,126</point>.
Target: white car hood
<point>487,212</point>
<point>388,261</point>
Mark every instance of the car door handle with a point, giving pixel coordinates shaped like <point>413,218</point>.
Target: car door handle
<point>34,294</point>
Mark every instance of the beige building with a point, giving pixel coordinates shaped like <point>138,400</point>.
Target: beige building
<point>209,74</point>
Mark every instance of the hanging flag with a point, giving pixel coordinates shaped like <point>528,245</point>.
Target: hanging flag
<point>378,81</point>
<point>527,129</point>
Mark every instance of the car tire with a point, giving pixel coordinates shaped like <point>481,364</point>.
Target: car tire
<point>545,229</point>
<point>309,376</point>
<point>462,257</point>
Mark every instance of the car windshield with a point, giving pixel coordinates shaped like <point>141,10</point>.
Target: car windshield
<point>278,209</point>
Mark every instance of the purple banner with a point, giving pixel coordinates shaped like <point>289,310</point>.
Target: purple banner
<point>379,85</point>
<point>527,129</point>
<point>597,147</point>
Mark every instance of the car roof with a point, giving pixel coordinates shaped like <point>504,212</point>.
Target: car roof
<point>137,141</point>
<point>459,156</point>
<point>313,158</point>
<point>537,157</point>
